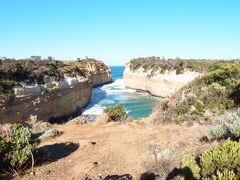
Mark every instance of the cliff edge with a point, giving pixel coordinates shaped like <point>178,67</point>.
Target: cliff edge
<point>160,78</point>
<point>47,89</point>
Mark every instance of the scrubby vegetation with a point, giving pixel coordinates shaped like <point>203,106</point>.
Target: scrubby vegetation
<point>206,97</point>
<point>160,65</point>
<point>37,71</point>
<point>216,132</point>
<point>230,128</point>
<point>116,113</point>
<point>219,162</point>
<point>189,167</point>
<point>16,147</point>
<point>160,161</point>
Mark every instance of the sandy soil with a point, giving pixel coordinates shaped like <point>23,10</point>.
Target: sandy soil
<point>110,149</point>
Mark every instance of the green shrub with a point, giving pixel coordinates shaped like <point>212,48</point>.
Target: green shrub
<point>2,145</point>
<point>231,82</point>
<point>222,157</point>
<point>224,175</point>
<point>190,168</point>
<point>180,119</point>
<point>233,124</point>
<point>235,129</point>
<point>235,95</point>
<point>19,149</point>
<point>164,104</point>
<point>221,162</point>
<point>191,98</point>
<point>182,108</point>
<point>230,128</point>
<point>226,75</point>
<point>216,132</point>
<point>6,84</point>
<point>3,148</point>
<point>21,145</point>
<point>179,69</point>
<point>116,113</point>
<point>229,104</point>
<point>199,108</point>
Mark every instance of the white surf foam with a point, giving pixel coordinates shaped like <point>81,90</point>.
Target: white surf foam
<point>100,99</point>
<point>110,94</point>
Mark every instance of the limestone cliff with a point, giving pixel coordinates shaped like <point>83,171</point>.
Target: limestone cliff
<point>55,98</point>
<point>98,73</point>
<point>154,79</point>
<point>43,102</point>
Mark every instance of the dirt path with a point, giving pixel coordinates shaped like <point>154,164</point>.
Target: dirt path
<point>109,149</point>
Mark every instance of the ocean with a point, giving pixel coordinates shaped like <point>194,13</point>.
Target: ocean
<point>138,104</point>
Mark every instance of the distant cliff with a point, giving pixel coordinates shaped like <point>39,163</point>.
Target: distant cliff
<point>197,90</point>
<point>159,77</point>
<point>98,72</point>
<point>46,90</point>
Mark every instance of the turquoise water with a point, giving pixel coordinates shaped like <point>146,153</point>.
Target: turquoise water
<point>138,104</point>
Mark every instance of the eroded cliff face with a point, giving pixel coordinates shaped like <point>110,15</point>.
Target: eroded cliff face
<point>98,73</point>
<point>162,84</point>
<point>43,102</point>
<point>56,99</point>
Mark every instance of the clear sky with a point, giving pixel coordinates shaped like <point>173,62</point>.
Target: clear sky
<point>116,31</point>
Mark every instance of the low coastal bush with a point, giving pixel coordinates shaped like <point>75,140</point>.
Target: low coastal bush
<point>157,64</point>
<point>17,148</point>
<point>160,161</point>
<point>208,96</point>
<point>233,124</point>
<point>116,113</point>
<point>190,168</point>
<point>219,162</point>
<point>230,128</point>
<point>216,132</point>
<point>225,174</point>
<point>222,157</point>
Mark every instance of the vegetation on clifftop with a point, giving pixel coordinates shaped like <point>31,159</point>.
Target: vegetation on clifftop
<point>160,65</point>
<point>116,113</point>
<point>219,162</point>
<point>37,71</point>
<point>206,97</point>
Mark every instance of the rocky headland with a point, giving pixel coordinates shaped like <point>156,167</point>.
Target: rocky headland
<point>46,90</point>
<point>159,84</point>
<point>162,77</point>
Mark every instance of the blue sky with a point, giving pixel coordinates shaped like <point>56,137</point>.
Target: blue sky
<point>116,31</point>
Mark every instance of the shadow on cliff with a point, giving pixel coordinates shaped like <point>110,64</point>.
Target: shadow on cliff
<point>51,153</point>
<point>97,95</point>
<point>66,118</point>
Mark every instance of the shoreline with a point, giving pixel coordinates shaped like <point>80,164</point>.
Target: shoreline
<point>105,96</point>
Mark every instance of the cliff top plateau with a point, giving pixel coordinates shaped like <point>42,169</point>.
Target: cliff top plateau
<point>33,71</point>
<point>159,65</point>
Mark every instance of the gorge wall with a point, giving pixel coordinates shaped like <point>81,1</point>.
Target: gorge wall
<point>56,99</point>
<point>159,79</point>
<point>98,73</point>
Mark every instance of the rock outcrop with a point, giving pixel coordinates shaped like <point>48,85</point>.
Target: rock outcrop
<point>56,99</point>
<point>157,83</point>
<point>99,74</point>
